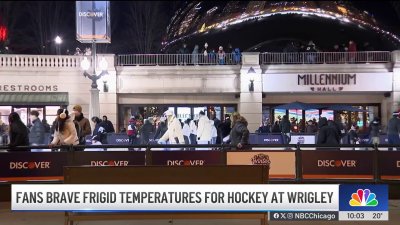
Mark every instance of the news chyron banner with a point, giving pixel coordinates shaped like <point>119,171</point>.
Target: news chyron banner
<point>283,202</point>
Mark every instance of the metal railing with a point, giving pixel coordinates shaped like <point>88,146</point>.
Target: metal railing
<point>216,155</point>
<point>40,61</point>
<point>325,57</point>
<point>178,59</point>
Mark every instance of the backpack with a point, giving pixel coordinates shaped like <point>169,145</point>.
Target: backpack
<point>131,131</point>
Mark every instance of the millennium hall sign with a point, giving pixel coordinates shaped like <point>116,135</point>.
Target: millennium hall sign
<point>327,82</point>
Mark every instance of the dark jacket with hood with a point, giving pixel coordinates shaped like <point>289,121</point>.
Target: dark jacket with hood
<point>375,127</point>
<point>239,132</point>
<point>328,134</point>
<point>162,128</point>
<point>285,126</point>
<point>145,132</point>
<point>18,133</point>
<point>36,135</point>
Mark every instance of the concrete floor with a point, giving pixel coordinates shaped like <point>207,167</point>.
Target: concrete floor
<point>39,218</point>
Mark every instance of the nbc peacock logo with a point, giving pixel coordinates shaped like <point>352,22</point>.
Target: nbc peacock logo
<point>363,198</point>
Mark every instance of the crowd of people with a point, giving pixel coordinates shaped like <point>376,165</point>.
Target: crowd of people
<point>310,50</point>
<point>208,55</point>
<point>73,128</point>
<point>168,129</point>
<point>332,132</point>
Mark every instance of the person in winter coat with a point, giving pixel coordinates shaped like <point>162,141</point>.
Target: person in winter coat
<point>236,56</point>
<point>186,132</point>
<point>204,129</point>
<point>264,128</point>
<point>311,127</point>
<point>352,51</point>
<point>174,133</point>
<point>46,126</point>
<point>285,127</point>
<point>65,131</point>
<point>108,125</point>
<point>352,135</point>
<point>146,131</point>
<point>132,131</point>
<point>239,135</point>
<point>311,52</point>
<point>36,134</point>
<point>276,128</point>
<point>183,54</point>
<point>193,133</point>
<point>393,130</point>
<point>328,134</point>
<point>99,129</point>
<point>83,123</point>
<point>221,55</point>
<point>374,130</point>
<point>162,128</point>
<point>205,52</point>
<point>195,55</point>
<point>18,132</point>
<point>214,133</point>
<point>225,127</point>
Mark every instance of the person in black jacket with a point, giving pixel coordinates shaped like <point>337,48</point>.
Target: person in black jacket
<point>99,129</point>
<point>162,128</point>
<point>108,125</point>
<point>18,132</point>
<point>239,135</point>
<point>285,126</point>
<point>36,134</point>
<point>146,131</point>
<point>328,134</point>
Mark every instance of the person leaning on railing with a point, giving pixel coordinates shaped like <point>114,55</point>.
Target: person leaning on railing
<point>240,134</point>
<point>65,131</point>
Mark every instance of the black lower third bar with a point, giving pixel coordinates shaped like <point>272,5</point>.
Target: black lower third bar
<point>299,216</point>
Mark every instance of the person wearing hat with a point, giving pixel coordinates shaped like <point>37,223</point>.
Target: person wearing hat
<point>311,127</point>
<point>83,123</point>
<point>393,130</point>
<point>174,133</point>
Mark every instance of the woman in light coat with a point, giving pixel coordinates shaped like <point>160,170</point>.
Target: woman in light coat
<point>174,133</point>
<point>204,129</point>
<point>65,131</point>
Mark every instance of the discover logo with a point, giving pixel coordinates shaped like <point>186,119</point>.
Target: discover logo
<point>29,165</point>
<point>337,163</point>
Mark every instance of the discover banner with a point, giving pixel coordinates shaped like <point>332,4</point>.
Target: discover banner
<point>324,164</point>
<point>186,158</point>
<point>24,166</point>
<point>282,164</point>
<point>109,158</point>
<point>389,165</point>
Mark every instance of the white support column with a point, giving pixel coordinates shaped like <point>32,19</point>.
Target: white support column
<point>250,104</point>
<point>394,100</point>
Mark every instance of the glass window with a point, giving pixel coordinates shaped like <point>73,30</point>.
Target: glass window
<point>266,112</point>
<point>328,114</point>
<point>196,111</point>
<point>371,114</point>
<point>183,113</point>
<point>278,114</point>
<point>23,113</point>
<point>297,114</point>
<point>4,112</point>
<point>312,114</point>
<point>172,109</point>
<point>215,111</point>
<point>229,110</point>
